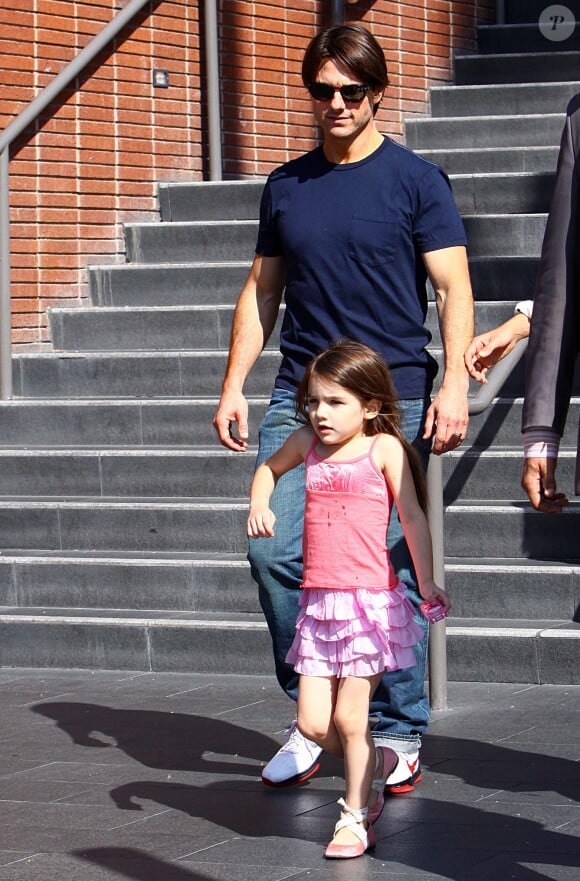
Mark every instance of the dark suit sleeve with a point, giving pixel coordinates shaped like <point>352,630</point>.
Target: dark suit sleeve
<point>554,331</point>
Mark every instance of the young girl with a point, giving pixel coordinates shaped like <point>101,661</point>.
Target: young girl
<point>355,619</point>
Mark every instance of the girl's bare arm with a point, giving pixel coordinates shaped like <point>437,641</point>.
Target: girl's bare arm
<point>397,472</point>
<point>261,518</point>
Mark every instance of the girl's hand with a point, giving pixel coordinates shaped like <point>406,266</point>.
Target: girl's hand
<point>432,593</point>
<point>261,523</point>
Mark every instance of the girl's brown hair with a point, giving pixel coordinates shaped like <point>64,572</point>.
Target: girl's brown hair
<point>363,372</point>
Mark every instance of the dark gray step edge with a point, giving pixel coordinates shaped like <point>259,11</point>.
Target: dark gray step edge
<point>145,328</point>
<point>503,99</point>
<point>485,131</point>
<point>515,653</point>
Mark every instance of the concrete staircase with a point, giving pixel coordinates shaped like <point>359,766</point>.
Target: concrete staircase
<point>122,520</point>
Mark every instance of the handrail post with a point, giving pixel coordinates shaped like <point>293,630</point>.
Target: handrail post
<point>435,513</point>
<point>213,92</point>
<point>437,647</point>
<point>5,292</point>
<point>337,12</point>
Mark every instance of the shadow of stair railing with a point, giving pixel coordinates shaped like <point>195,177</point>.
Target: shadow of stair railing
<point>437,642</point>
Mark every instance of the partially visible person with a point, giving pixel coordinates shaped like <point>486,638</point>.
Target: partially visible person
<point>355,619</point>
<point>554,332</point>
<point>348,235</point>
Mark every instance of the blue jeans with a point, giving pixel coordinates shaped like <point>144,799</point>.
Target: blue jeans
<point>399,711</point>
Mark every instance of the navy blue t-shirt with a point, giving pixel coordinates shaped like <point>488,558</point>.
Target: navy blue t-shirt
<point>352,236</point>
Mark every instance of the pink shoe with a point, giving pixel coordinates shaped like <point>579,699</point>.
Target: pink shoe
<point>355,820</point>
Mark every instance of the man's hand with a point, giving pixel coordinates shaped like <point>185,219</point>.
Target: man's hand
<point>232,409</point>
<point>539,482</point>
<point>447,419</point>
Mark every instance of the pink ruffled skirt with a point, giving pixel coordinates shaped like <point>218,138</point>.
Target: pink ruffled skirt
<point>354,632</point>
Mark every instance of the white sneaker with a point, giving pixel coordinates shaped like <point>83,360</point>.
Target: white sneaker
<point>294,762</point>
<point>406,773</point>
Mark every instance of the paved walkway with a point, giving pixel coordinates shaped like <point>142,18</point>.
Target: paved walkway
<point>155,777</point>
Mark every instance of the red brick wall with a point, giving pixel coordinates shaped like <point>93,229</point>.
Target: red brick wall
<point>266,110</point>
<point>93,162</point>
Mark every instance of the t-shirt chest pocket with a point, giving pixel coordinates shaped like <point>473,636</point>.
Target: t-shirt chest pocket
<point>373,242</point>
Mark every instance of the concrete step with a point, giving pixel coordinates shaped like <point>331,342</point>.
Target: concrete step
<point>500,651</point>
<point>208,525</point>
<point>537,67</point>
<point>480,650</point>
<point>507,99</point>
<point>138,525</point>
<point>500,425</point>
<point>524,38</point>
<point>529,11</point>
<point>167,285</point>
<point>504,278</point>
<point>470,473</point>
<point>514,193</point>
<point>133,374</point>
<point>121,423</point>
<point>156,582</point>
<point>511,529</point>
<point>542,130</point>
<point>211,200</point>
<point>511,589</point>
<point>163,375</point>
<point>505,235</point>
<point>476,474</point>
<point>176,239</point>
<point>144,328</point>
<point>186,327</point>
<point>201,582</point>
<point>119,640</point>
<point>193,284</point>
<point>221,583</point>
<point>195,241</point>
<point>112,473</point>
<point>499,160</point>
<point>188,423</point>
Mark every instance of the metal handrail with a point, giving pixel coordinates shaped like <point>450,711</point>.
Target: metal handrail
<point>30,115</point>
<point>437,632</point>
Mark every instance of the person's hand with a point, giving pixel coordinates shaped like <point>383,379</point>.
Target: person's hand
<point>432,593</point>
<point>488,348</point>
<point>447,418</point>
<point>539,482</point>
<point>261,523</point>
<point>232,409</point>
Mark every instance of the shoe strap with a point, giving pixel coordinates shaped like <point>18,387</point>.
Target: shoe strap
<point>353,819</point>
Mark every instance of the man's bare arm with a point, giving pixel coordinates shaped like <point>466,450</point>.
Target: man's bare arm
<point>447,416</point>
<point>254,319</point>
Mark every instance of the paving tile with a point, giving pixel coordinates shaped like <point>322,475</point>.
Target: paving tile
<point>541,867</point>
<point>157,776</point>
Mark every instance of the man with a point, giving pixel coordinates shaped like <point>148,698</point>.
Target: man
<point>554,331</point>
<point>350,232</point>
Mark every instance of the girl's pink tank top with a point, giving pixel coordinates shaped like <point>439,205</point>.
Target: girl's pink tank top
<point>348,506</point>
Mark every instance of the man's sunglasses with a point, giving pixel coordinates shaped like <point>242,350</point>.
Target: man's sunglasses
<point>353,93</point>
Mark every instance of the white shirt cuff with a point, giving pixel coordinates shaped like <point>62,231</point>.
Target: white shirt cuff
<point>526,308</point>
<point>541,443</point>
